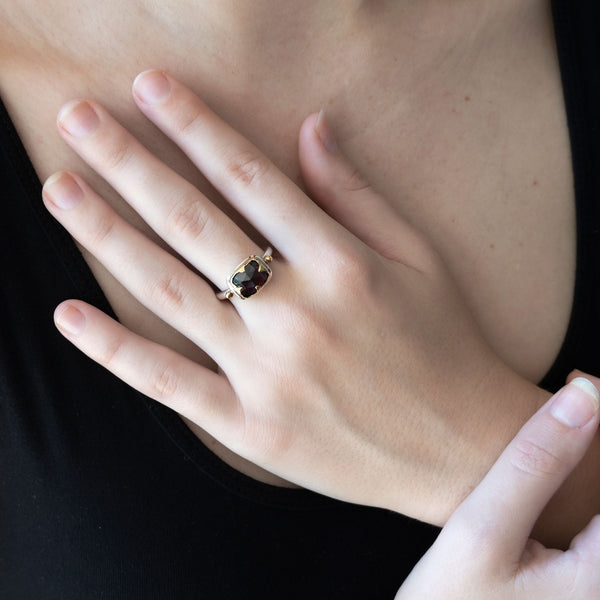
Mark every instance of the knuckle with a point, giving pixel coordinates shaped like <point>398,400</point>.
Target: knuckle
<point>187,218</point>
<point>163,382</point>
<point>535,460</point>
<point>110,352</point>
<point>189,121</point>
<point>104,226</point>
<point>119,154</point>
<point>347,268</point>
<point>355,182</point>
<point>167,292</point>
<point>247,168</point>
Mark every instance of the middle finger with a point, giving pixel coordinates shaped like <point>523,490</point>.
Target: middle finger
<point>172,206</point>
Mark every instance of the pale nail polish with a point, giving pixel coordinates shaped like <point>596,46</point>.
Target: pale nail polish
<point>152,87</point>
<point>63,191</point>
<point>325,132</point>
<point>577,403</point>
<point>78,118</point>
<point>70,320</point>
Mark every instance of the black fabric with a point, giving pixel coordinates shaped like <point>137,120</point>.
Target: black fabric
<point>107,494</point>
<point>577,26</point>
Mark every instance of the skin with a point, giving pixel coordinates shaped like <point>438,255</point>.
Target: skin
<point>319,427</point>
<point>455,194</point>
<point>308,404</point>
<point>484,551</point>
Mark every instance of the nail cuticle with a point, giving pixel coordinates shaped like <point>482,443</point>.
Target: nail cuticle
<point>70,320</point>
<point>576,404</point>
<point>78,118</point>
<point>62,191</point>
<point>152,87</point>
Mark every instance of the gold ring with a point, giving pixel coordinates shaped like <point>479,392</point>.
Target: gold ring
<point>249,277</point>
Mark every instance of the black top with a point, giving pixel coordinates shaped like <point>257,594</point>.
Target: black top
<point>107,494</point>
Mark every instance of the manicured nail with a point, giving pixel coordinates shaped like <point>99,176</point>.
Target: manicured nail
<point>325,132</point>
<point>62,190</point>
<point>78,118</point>
<point>577,403</point>
<point>152,87</point>
<point>69,319</point>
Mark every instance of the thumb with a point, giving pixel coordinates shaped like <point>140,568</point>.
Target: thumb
<point>504,507</point>
<point>577,373</point>
<point>339,188</point>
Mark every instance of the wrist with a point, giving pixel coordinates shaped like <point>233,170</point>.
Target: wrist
<point>574,504</point>
<point>502,403</point>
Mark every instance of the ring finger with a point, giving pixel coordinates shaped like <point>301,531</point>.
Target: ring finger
<point>159,280</point>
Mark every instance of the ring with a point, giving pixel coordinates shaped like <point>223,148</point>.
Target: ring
<point>249,277</point>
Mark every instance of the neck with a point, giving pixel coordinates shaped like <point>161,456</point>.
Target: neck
<point>259,20</point>
<point>183,25</point>
<point>279,29</point>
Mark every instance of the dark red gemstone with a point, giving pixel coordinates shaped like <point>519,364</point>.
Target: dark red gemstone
<point>250,280</point>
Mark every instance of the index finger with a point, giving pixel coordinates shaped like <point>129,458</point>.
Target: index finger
<point>237,169</point>
<point>504,507</point>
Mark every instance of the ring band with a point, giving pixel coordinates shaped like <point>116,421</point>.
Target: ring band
<point>249,277</point>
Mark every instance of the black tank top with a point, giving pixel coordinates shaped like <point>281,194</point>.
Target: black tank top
<point>107,494</point>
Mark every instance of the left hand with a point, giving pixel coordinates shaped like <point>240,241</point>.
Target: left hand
<point>357,367</point>
<point>484,552</point>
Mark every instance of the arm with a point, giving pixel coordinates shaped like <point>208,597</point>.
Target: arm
<point>358,372</point>
<point>336,186</point>
<point>485,552</point>
<point>577,500</point>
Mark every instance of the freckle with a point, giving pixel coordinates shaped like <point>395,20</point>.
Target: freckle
<point>521,244</point>
<point>535,182</point>
<point>492,246</point>
<point>454,110</point>
<point>395,59</point>
<point>467,98</point>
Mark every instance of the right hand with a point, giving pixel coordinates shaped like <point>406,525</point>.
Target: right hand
<point>359,373</point>
<point>484,551</point>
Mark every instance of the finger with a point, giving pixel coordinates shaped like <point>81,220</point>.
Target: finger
<point>577,373</point>
<point>174,208</point>
<point>158,280</point>
<point>158,372</point>
<point>339,188</point>
<point>503,508</point>
<point>587,543</point>
<point>244,176</point>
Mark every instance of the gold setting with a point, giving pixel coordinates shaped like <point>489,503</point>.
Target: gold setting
<point>263,267</point>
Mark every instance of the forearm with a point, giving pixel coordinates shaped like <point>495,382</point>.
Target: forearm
<point>571,508</point>
<point>478,433</point>
<point>485,550</point>
<point>575,503</point>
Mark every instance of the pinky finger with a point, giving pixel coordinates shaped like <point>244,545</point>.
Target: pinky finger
<point>192,390</point>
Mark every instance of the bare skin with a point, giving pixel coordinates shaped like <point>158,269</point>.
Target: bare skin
<point>427,98</point>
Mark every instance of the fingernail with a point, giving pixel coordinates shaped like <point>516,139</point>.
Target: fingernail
<point>78,118</point>
<point>325,132</point>
<point>69,319</point>
<point>577,403</point>
<point>63,191</point>
<point>152,87</point>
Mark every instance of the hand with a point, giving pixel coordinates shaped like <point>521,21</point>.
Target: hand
<point>355,369</point>
<point>484,552</point>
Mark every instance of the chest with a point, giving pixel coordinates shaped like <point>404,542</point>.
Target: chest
<point>475,153</point>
